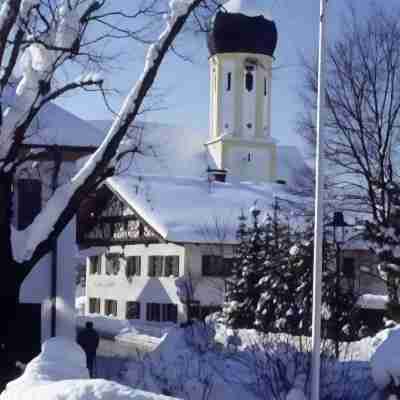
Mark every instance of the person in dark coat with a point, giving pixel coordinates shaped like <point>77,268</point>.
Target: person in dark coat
<point>88,339</point>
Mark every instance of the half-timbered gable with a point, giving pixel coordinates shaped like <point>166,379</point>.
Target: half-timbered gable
<point>106,220</point>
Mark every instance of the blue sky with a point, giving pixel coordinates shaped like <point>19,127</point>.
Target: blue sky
<point>185,86</point>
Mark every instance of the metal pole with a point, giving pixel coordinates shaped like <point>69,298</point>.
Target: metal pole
<point>318,229</point>
<point>54,252</point>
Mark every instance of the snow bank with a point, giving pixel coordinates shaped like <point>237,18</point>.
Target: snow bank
<point>95,389</point>
<point>124,329</point>
<point>59,373</point>
<point>373,301</point>
<point>104,325</point>
<point>385,363</point>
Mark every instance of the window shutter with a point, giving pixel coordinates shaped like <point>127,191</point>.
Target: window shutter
<point>29,201</point>
<point>172,266</point>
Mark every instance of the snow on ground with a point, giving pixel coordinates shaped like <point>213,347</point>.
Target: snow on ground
<point>59,373</point>
<point>125,330</point>
<point>209,360</point>
<point>106,326</point>
<point>385,362</point>
<point>212,361</point>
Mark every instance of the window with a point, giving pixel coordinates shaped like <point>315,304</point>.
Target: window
<point>153,312</point>
<point>112,264</point>
<point>132,310</point>
<point>172,266</point>
<point>169,312</point>
<point>94,305</point>
<point>110,307</point>
<point>155,265</point>
<point>249,81</point>
<point>95,265</point>
<point>133,266</point>
<point>162,312</point>
<point>216,266</point>
<point>265,86</point>
<point>29,201</point>
<point>229,81</point>
<point>348,267</point>
<point>163,266</point>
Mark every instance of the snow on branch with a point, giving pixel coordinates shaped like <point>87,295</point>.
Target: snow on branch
<point>63,204</point>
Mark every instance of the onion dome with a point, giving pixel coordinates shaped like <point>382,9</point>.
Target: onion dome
<point>243,27</point>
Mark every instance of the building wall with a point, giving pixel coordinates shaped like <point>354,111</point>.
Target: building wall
<point>208,291</point>
<point>366,282</point>
<point>143,289</point>
<point>220,65</point>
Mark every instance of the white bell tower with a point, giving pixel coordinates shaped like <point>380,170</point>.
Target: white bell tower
<point>241,48</point>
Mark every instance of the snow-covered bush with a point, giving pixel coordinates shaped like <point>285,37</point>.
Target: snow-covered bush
<point>242,364</point>
<point>60,373</point>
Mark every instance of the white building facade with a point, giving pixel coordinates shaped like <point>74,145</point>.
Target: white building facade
<point>140,282</point>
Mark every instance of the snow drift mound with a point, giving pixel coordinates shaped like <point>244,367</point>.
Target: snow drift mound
<point>60,373</point>
<point>385,363</point>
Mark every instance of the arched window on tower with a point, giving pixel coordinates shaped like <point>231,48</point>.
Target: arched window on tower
<point>228,81</point>
<point>265,87</point>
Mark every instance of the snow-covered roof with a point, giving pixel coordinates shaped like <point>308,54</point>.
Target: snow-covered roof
<point>180,151</point>
<point>54,125</point>
<point>57,126</point>
<point>251,8</point>
<point>190,209</point>
<point>291,166</point>
<point>169,150</point>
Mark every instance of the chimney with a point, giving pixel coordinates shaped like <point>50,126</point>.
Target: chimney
<point>218,175</point>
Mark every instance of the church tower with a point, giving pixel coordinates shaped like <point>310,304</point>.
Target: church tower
<point>241,43</point>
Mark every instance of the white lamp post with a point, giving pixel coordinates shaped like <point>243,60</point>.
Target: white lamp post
<point>318,231</point>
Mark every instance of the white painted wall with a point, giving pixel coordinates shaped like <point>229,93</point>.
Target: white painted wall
<point>144,289</point>
<point>237,161</point>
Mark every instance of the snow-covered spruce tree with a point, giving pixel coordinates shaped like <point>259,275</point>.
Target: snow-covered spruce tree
<point>285,300</point>
<point>274,295</point>
<point>384,237</point>
<point>242,294</point>
<point>40,42</point>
